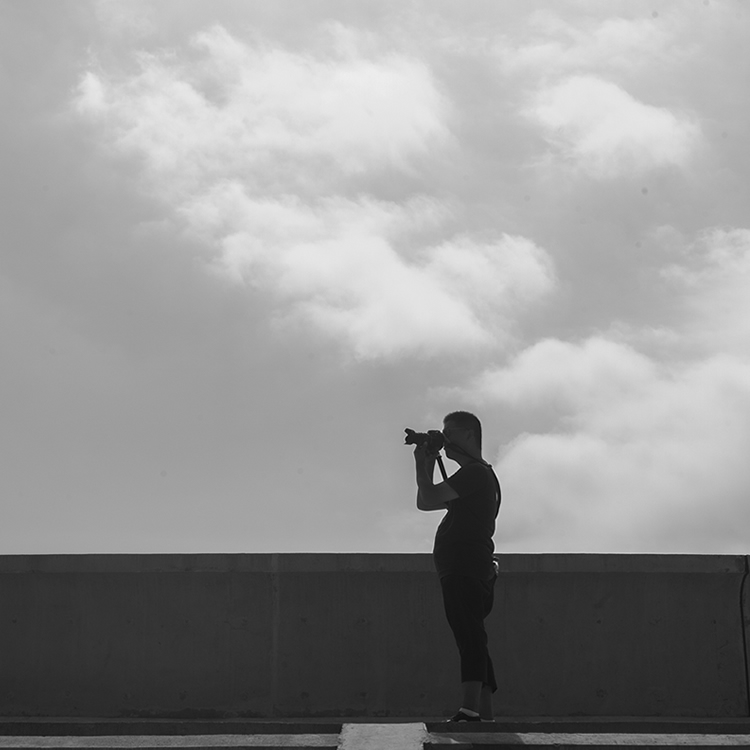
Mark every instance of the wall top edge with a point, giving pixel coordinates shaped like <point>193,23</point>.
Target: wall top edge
<point>364,563</point>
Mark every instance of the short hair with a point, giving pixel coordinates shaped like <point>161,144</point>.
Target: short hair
<point>467,421</point>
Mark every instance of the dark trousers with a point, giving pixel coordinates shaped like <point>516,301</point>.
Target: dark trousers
<point>467,602</point>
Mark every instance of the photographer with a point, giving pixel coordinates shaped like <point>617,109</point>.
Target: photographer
<point>463,551</point>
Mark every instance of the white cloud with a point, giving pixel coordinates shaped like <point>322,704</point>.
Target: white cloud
<point>335,263</point>
<point>358,288</point>
<point>661,470</point>
<point>252,147</point>
<point>496,276</point>
<point>644,455</point>
<point>559,47</point>
<point>597,127</point>
<point>255,112</point>
<point>713,277</point>
<point>584,377</point>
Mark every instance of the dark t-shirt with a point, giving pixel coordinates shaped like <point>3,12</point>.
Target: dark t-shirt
<point>463,542</point>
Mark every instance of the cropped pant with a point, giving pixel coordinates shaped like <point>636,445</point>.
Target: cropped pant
<point>467,602</point>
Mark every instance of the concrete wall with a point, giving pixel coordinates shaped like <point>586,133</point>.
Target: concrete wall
<point>364,635</point>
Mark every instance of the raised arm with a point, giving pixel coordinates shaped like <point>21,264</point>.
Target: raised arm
<point>430,496</point>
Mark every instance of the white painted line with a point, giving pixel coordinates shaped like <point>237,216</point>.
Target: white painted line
<point>383,736</point>
<point>168,741</point>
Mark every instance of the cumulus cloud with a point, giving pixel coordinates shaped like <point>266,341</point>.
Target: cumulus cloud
<point>251,146</point>
<point>597,127</point>
<point>654,462</point>
<point>583,76</point>
<point>497,277</point>
<point>576,377</point>
<point>555,46</point>
<point>249,110</point>
<point>713,279</point>
<point>640,453</point>
<point>335,263</point>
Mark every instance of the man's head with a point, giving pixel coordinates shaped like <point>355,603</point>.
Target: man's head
<point>464,430</point>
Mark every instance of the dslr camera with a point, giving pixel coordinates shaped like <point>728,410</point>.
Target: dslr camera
<point>433,439</point>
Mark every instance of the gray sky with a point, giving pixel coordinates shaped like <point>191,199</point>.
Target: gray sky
<point>243,245</point>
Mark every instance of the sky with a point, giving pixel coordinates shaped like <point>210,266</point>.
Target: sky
<point>244,244</point>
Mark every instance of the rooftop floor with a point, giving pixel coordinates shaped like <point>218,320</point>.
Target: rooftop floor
<point>592,733</point>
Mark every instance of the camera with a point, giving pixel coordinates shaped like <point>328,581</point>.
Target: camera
<point>433,439</point>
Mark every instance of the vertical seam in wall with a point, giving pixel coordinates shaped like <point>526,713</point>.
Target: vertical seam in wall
<point>744,626</point>
<point>275,616</point>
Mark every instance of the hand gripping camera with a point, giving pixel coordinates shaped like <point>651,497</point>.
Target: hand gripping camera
<point>434,441</point>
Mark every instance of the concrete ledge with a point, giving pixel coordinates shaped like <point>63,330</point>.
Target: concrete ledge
<point>244,636</point>
<point>499,741</point>
<point>644,733</point>
<point>53,727</point>
<point>195,742</point>
<point>364,563</point>
<point>597,725</point>
<point>89,727</point>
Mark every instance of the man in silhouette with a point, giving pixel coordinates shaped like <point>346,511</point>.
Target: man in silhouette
<point>463,552</point>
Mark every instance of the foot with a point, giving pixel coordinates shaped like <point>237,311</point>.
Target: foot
<point>461,716</point>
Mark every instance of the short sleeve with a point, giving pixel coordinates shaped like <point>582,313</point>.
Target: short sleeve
<point>468,480</point>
